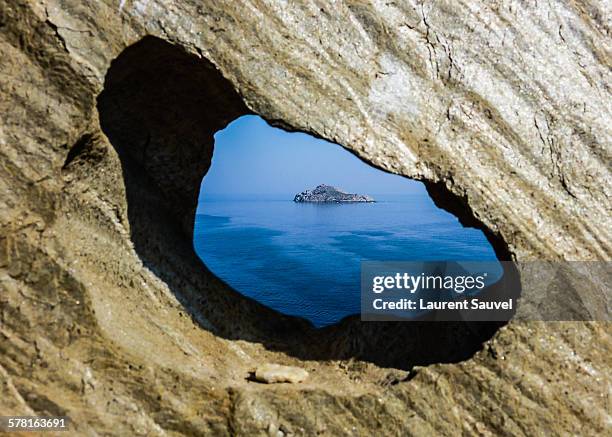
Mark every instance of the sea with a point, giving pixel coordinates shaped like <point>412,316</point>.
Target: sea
<point>304,259</point>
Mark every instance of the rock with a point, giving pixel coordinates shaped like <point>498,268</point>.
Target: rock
<point>274,373</point>
<point>109,111</point>
<point>328,194</point>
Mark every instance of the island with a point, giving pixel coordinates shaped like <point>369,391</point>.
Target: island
<point>328,194</point>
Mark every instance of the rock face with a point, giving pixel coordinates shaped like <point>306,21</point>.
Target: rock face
<point>328,194</point>
<point>109,110</point>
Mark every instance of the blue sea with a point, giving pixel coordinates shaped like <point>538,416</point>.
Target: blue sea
<point>304,259</point>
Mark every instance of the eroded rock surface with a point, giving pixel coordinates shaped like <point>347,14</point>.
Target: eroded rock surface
<point>108,114</point>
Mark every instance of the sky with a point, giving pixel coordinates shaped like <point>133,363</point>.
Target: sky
<point>252,157</point>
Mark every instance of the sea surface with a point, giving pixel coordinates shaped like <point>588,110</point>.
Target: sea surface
<point>304,259</point>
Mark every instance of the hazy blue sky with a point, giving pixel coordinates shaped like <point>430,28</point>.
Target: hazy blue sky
<point>252,157</point>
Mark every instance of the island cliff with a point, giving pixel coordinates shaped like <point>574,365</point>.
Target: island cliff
<point>328,194</point>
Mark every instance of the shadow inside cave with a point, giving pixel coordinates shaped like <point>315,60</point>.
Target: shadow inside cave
<point>160,109</point>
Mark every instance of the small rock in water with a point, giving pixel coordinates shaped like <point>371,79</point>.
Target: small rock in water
<point>273,373</point>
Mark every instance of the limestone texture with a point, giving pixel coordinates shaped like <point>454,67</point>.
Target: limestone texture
<point>107,116</point>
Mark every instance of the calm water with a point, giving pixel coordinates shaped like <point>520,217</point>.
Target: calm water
<point>304,259</point>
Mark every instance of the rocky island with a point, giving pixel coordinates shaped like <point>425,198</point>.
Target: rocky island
<point>328,194</point>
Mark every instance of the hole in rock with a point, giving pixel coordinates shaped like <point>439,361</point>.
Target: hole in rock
<point>304,258</point>
<point>160,109</point>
